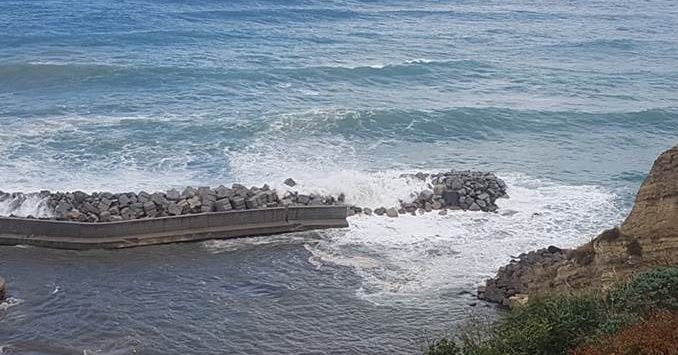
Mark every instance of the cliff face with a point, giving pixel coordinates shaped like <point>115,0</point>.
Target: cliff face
<point>647,238</point>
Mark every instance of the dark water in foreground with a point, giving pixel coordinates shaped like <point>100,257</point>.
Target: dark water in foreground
<point>568,101</point>
<point>191,298</point>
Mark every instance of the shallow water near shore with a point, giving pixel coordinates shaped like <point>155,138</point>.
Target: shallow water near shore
<point>569,103</point>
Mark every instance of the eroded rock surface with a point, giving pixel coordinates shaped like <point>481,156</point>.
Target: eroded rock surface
<point>647,238</point>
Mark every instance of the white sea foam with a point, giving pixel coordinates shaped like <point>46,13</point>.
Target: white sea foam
<point>25,205</point>
<point>10,302</point>
<point>410,255</point>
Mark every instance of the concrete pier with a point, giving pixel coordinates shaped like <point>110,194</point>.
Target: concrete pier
<point>149,231</point>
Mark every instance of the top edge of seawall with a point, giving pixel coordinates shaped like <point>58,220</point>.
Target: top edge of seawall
<point>186,216</point>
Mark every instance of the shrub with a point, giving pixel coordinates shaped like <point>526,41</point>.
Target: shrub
<point>647,291</point>
<point>443,347</point>
<point>554,325</point>
<point>656,336</point>
<point>549,326</point>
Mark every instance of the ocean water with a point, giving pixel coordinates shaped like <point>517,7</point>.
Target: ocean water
<point>569,102</point>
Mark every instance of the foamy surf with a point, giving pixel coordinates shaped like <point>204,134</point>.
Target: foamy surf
<point>10,302</point>
<point>23,205</point>
<point>414,255</point>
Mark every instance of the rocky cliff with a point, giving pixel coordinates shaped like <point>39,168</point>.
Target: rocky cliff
<point>647,238</point>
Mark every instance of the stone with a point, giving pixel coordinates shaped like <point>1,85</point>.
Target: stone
<point>392,212</point>
<point>303,199</point>
<point>87,207</point>
<point>62,210</point>
<point>474,207</point>
<point>74,215</point>
<point>149,209</point>
<point>380,211</point>
<point>159,198</point>
<point>436,205</point>
<point>79,197</point>
<point>188,193</point>
<point>105,203</point>
<point>223,205</point>
<point>554,249</point>
<point>442,212</point>
<point>251,203</point>
<point>439,189</point>
<point>518,300</point>
<point>451,198</point>
<point>126,213</point>
<point>143,197</point>
<point>105,216</point>
<point>174,209</point>
<point>222,192</point>
<point>173,195</point>
<point>207,207</point>
<point>194,203</point>
<point>124,200</point>
<point>426,195</point>
<point>367,211</point>
<point>238,203</point>
<point>315,202</point>
<point>290,182</point>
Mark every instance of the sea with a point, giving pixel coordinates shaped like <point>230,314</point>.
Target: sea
<point>569,102</point>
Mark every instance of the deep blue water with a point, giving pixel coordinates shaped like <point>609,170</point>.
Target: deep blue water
<point>569,101</point>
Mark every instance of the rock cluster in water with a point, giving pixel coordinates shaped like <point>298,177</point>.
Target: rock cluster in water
<point>465,190</point>
<point>453,190</point>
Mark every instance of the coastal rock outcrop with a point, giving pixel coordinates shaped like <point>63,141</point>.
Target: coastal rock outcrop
<point>647,238</point>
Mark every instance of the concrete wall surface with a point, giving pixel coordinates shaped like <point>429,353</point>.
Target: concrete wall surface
<point>213,225</point>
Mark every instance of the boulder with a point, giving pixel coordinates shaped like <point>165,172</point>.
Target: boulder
<point>451,198</point>
<point>290,182</point>
<point>223,205</point>
<point>173,195</point>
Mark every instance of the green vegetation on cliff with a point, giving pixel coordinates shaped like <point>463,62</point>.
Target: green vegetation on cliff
<point>582,324</point>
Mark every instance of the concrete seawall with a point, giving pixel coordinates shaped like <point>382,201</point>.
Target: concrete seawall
<point>133,233</point>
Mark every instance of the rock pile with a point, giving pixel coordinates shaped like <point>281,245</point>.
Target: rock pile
<point>109,207</point>
<point>511,279</point>
<point>453,190</point>
<point>464,190</point>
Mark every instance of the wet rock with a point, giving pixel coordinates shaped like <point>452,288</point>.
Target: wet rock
<point>223,205</point>
<point>290,182</point>
<point>173,195</point>
<point>392,212</point>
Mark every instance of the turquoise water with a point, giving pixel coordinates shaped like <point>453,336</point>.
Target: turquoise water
<point>569,102</point>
